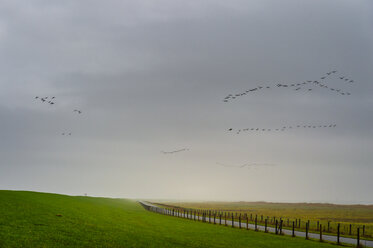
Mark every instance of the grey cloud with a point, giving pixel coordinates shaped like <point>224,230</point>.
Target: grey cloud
<point>150,76</point>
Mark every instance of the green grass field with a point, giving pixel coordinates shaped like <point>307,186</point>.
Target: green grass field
<point>30,219</point>
<point>356,215</point>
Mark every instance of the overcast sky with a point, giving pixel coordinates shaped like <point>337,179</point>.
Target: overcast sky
<point>150,76</point>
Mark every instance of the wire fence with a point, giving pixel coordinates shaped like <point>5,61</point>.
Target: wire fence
<point>331,232</point>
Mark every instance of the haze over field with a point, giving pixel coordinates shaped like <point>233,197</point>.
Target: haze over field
<point>149,78</point>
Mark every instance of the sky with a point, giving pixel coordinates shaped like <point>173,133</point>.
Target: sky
<point>151,76</point>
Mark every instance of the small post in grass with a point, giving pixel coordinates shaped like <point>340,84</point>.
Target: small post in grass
<point>307,225</point>
<point>293,232</point>
<point>358,237</point>
<point>214,218</point>
<point>225,218</point>
<point>281,221</point>
<point>320,233</point>
<point>363,230</point>
<point>338,232</point>
<point>239,221</point>
<point>350,232</point>
<point>265,225</point>
<point>220,219</point>
<point>232,220</point>
<point>247,222</point>
<point>276,231</point>
<point>256,223</point>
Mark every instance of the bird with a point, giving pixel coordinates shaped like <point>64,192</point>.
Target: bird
<point>230,129</point>
<point>342,77</point>
<point>309,89</point>
<point>36,97</point>
<point>322,77</point>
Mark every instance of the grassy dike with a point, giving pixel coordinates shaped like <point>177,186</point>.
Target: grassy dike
<point>31,219</point>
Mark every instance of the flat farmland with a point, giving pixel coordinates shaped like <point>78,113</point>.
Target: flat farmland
<point>326,215</point>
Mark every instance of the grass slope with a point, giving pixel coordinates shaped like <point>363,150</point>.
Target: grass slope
<point>30,219</point>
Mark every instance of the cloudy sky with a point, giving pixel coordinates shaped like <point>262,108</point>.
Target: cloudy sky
<point>150,76</point>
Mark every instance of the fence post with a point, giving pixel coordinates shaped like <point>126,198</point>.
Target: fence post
<point>281,221</point>
<point>256,223</point>
<point>350,232</point>
<point>214,218</point>
<point>276,231</point>
<point>338,232</point>
<point>320,233</point>
<point>225,218</point>
<point>328,226</point>
<point>363,230</point>
<point>220,219</point>
<point>358,237</point>
<point>232,220</point>
<point>307,230</point>
<point>247,222</point>
<point>239,221</point>
<point>265,225</point>
<point>293,233</point>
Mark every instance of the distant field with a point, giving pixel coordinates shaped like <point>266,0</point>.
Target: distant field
<point>356,215</point>
<point>30,219</point>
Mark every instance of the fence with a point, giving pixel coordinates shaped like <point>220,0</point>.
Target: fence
<point>259,223</point>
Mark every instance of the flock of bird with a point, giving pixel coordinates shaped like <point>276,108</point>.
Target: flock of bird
<point>45,99</point>
<point>284,128</point>
<point>296,86</point>
<point>51,101</point>
<point>176,151</point>
<point>306,85</point>
<point>248,165</point>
